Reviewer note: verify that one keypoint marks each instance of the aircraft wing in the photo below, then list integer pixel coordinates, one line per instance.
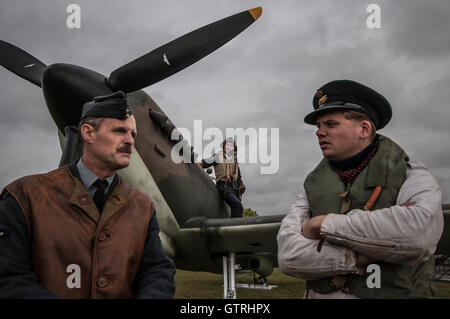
(247, 237)
(241, 235)
(209, 239)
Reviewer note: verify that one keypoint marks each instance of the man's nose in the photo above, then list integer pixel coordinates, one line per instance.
(320, 132)
(129, 139)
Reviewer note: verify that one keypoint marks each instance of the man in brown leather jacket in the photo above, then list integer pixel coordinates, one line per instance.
(80, 231)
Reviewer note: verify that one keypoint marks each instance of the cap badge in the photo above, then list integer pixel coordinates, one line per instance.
(323, 99)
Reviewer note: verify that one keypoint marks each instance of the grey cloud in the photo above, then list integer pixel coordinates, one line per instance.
(417, 28)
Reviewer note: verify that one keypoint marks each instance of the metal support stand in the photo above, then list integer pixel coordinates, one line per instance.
(256, 286)
(229, 278)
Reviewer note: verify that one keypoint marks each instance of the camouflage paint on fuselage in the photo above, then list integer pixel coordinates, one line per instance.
(187, 189)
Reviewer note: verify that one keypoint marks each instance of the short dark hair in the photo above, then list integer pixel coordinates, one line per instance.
(95, 122)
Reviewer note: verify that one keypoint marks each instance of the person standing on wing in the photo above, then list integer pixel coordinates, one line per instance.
(228, 175)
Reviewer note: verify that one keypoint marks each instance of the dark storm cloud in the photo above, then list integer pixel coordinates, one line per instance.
(264, 78)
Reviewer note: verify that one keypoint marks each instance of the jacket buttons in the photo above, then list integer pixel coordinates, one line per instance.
(104, 236)
(102, 282)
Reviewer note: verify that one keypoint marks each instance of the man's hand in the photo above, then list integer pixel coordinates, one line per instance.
(241, 189)
(200, 164)
(311, 229)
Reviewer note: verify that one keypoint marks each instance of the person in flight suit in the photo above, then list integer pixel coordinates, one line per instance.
(365, 204)
(228, 175)
(80, 231)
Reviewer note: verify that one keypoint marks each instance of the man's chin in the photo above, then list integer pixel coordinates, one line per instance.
(329, 155)
(326, 153)
(122, 164)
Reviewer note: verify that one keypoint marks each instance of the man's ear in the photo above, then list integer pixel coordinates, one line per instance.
(366, 129)
(87, 133)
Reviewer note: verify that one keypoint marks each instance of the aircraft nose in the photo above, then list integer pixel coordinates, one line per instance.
(67, 87)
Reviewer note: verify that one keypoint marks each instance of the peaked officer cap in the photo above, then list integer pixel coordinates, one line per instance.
(351, 95)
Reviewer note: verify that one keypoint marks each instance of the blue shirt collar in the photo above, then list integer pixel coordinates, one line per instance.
(88, 178)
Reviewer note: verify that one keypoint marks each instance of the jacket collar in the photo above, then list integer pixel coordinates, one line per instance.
(81, 198)
(389, 158)
(88, 178)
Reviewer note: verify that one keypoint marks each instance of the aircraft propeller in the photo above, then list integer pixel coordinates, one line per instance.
(67, 87)
(150, 68)
(21, 63)
(180, 53)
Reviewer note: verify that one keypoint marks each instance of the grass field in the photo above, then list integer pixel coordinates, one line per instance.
(202, 285)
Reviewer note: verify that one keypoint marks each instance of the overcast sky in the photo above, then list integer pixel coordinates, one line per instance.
(264, 78)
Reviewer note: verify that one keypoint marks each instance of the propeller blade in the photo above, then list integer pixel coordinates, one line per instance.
(180, 53)
(21, 63)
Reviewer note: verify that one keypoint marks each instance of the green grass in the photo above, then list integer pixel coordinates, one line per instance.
(202, 285)
(443, 290)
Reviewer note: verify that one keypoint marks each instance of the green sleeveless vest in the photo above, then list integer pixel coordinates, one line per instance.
(327, 194)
